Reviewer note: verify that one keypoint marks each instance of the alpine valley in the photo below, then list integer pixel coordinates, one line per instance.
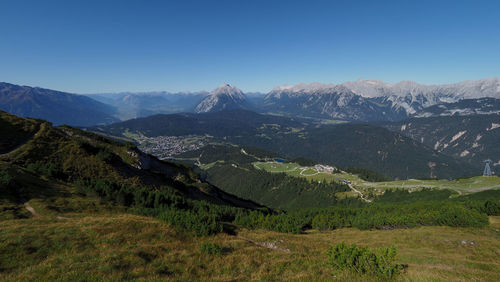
(306, 182)
(234, 140)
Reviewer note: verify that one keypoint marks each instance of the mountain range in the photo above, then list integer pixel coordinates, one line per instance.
(361, 100)
(368, 100)
(336, 102)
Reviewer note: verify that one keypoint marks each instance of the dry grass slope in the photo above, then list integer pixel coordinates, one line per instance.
(118, 246)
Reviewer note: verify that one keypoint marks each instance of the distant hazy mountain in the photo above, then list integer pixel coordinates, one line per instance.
(132, 105)
(413, 96)
(489, 87)
(361, 100)
(466, 107)
(54, 106)
(328, 101)
(369, 100)
(225, 97)
(469, 138)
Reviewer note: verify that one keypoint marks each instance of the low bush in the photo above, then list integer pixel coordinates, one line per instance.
(197, 223)
(198, 217)
(5, 178)
(424, 195)
(329, 221)
(210, 248)
(367, 174)
(105, 154)
(487, 202)
(398, 209)
(375, 216)
(489, 207)
(44, 168)
(363, 261)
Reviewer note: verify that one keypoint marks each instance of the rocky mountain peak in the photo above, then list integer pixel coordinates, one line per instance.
(227, 89)
(224, 97)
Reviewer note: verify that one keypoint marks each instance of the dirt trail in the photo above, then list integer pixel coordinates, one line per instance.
(267, 245)
(31, 209)
(42, 127)
(306, 168)
(356, 190)
(33, 212)
(360, 194)
(253, 156)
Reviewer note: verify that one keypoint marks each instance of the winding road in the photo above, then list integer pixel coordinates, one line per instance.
(360, 194)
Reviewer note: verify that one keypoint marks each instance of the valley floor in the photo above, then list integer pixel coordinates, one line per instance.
(118, 246)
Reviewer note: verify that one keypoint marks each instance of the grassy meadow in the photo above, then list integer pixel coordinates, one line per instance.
(112, 245)
(461, 186)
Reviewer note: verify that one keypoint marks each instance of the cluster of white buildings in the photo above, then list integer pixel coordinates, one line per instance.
(325, 168)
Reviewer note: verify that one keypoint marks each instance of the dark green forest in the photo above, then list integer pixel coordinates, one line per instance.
(235, 174)
(276, 190)
(108, 170)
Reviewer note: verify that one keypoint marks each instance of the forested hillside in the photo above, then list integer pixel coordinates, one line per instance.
(366, 146)
(471, 139)
(41, 161)
(346, 145)
(231, 169)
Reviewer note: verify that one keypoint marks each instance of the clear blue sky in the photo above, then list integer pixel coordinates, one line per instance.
(109, 46)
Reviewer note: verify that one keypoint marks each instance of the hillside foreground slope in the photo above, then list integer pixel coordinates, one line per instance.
(119, 246)
(140, 221)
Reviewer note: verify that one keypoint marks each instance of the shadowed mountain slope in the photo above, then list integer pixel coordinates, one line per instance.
(54, 106)
(71, 155)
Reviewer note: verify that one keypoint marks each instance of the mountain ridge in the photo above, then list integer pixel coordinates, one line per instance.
(54, 106)
(470, 138)
(409, 96)
(361, 100)
(464, 107)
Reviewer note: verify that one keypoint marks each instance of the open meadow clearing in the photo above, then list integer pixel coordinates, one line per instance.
(461, 186)
(115, 246)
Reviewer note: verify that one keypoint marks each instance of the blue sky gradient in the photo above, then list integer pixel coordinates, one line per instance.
(110, 46)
